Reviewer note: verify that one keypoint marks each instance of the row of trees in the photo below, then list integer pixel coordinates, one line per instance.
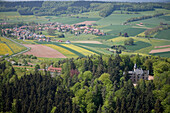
(150, 32)
(91, 84)
(143, 17)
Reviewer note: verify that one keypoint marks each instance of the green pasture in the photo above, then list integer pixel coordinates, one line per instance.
(138, 45)
(93, 45)
(71, 20)
(81, 37)
(142, 45)
(115, 29)
(116, 19)
(153, 22)
(133, 31)
(156, 11)
(165, 34)
(13, 17)
(94, 14)
(107, 37)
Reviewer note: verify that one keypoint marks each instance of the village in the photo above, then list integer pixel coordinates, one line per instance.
(34, 32)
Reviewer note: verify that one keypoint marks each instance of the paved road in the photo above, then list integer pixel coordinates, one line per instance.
(19, 44)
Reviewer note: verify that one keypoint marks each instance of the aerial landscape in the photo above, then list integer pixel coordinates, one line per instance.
(104, 56)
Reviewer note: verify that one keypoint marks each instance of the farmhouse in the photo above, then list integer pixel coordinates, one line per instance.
(53, 69)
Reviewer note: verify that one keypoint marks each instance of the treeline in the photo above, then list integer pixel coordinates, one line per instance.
(49, 8)
(150, 32)
(89, 85)
(143, 17)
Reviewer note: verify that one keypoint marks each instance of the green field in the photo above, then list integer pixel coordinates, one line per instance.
(116, 19)
(133, 31)
(13, 17)
(165, 34)
(115, 29)
(152, 22)
(138, 45)
(107, 37)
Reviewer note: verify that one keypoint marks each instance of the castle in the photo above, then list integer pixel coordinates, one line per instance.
(138, 74)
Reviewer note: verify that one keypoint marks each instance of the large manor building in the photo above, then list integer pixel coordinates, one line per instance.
(138, 73)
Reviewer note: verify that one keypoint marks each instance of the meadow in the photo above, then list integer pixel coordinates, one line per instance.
(165, 34)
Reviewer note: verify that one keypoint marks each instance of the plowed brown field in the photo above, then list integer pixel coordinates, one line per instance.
(162, 46)
(43, 51)
(160, 50)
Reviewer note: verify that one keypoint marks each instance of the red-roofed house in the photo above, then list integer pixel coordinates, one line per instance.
(54, 69)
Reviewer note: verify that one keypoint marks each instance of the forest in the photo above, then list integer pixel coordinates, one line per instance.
(55, 8)
(92, 84)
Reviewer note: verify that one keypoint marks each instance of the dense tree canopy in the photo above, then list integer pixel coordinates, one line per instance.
(98, 85)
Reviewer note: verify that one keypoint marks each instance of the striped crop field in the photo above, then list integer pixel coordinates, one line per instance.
(4, 49)
(64, 51)
(95, 49)
(15, 47)
(79, 49)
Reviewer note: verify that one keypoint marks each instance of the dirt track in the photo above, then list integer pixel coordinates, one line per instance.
(43, 51)
(160, 50)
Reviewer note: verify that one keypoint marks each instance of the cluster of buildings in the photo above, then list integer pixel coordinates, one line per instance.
(79, 29)
(28, 32)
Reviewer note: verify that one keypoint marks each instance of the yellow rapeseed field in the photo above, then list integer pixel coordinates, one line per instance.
(15, 47)
(65, 52)
(78, 49)
(4, 49)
